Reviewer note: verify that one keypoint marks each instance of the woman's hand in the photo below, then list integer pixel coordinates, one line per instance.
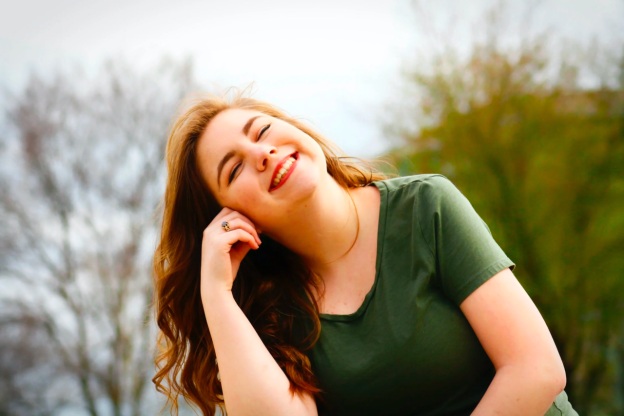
(223, 251)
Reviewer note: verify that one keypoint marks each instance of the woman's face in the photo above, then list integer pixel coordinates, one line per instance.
(260, 166)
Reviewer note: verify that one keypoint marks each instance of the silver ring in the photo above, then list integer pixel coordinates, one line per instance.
(226, 226)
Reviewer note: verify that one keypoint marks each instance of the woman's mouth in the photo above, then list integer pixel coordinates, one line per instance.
(283, 171)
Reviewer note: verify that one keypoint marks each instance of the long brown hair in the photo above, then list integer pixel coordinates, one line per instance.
(278, 301)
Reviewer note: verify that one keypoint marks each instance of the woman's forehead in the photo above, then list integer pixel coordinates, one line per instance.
(231, 119)
(225, 127)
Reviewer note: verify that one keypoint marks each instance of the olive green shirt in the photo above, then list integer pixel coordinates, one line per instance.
(408, 349)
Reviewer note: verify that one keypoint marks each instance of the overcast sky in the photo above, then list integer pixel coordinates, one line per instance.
(333, 62)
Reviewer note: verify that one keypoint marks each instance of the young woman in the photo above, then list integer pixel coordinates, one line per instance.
(293, 281)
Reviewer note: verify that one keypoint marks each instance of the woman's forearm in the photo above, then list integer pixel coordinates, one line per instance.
(522, 390)
(252, 381)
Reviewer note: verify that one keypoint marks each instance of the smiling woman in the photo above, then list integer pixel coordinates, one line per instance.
(291, 280)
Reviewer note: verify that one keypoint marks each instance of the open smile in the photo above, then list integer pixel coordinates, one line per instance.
(283, 170)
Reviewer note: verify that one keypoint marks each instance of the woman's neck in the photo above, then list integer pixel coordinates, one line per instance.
(324, 229)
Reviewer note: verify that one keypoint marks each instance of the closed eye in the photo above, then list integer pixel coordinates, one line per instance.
(234, 172)
(263, 130)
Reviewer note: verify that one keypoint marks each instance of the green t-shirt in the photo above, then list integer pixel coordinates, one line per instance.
(408, 349)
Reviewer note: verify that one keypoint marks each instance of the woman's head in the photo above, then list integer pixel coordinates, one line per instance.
(260, 166)
(189, 172)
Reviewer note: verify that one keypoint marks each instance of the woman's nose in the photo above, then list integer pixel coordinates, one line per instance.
(263, 153)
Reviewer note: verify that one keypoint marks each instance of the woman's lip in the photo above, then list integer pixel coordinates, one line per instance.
(287, 174)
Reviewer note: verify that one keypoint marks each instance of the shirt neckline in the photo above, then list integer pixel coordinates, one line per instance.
(381, 229)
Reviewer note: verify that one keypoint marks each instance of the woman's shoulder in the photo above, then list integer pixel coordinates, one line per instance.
(426, 195)
(433, 181)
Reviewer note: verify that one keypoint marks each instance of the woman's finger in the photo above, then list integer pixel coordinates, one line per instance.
(238, 223)
(235, 219)
(240, 235)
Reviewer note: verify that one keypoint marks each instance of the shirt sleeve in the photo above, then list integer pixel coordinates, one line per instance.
(464, 250)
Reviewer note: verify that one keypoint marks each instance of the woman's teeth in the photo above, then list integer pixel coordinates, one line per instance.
(285, 168)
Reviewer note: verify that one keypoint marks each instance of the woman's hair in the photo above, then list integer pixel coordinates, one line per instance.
(278, 301)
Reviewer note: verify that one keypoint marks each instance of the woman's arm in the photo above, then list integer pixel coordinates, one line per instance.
(252, 381)
(529, 370)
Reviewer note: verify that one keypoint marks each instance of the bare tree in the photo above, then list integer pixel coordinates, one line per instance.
(26, 366)
(82, 173)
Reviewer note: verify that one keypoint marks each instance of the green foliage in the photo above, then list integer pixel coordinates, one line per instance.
(541, 157)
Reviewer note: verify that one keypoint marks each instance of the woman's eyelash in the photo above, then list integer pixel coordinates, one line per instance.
(263, 130)
(233, 173)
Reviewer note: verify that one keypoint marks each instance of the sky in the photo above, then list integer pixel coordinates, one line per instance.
(336, 63)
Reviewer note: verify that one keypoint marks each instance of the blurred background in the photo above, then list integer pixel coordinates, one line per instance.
(520, 103)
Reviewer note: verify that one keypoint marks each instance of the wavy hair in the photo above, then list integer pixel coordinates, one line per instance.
(278, 301)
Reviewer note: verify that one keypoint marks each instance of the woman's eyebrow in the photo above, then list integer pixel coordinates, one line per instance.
(222, 162)
(247, 125)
